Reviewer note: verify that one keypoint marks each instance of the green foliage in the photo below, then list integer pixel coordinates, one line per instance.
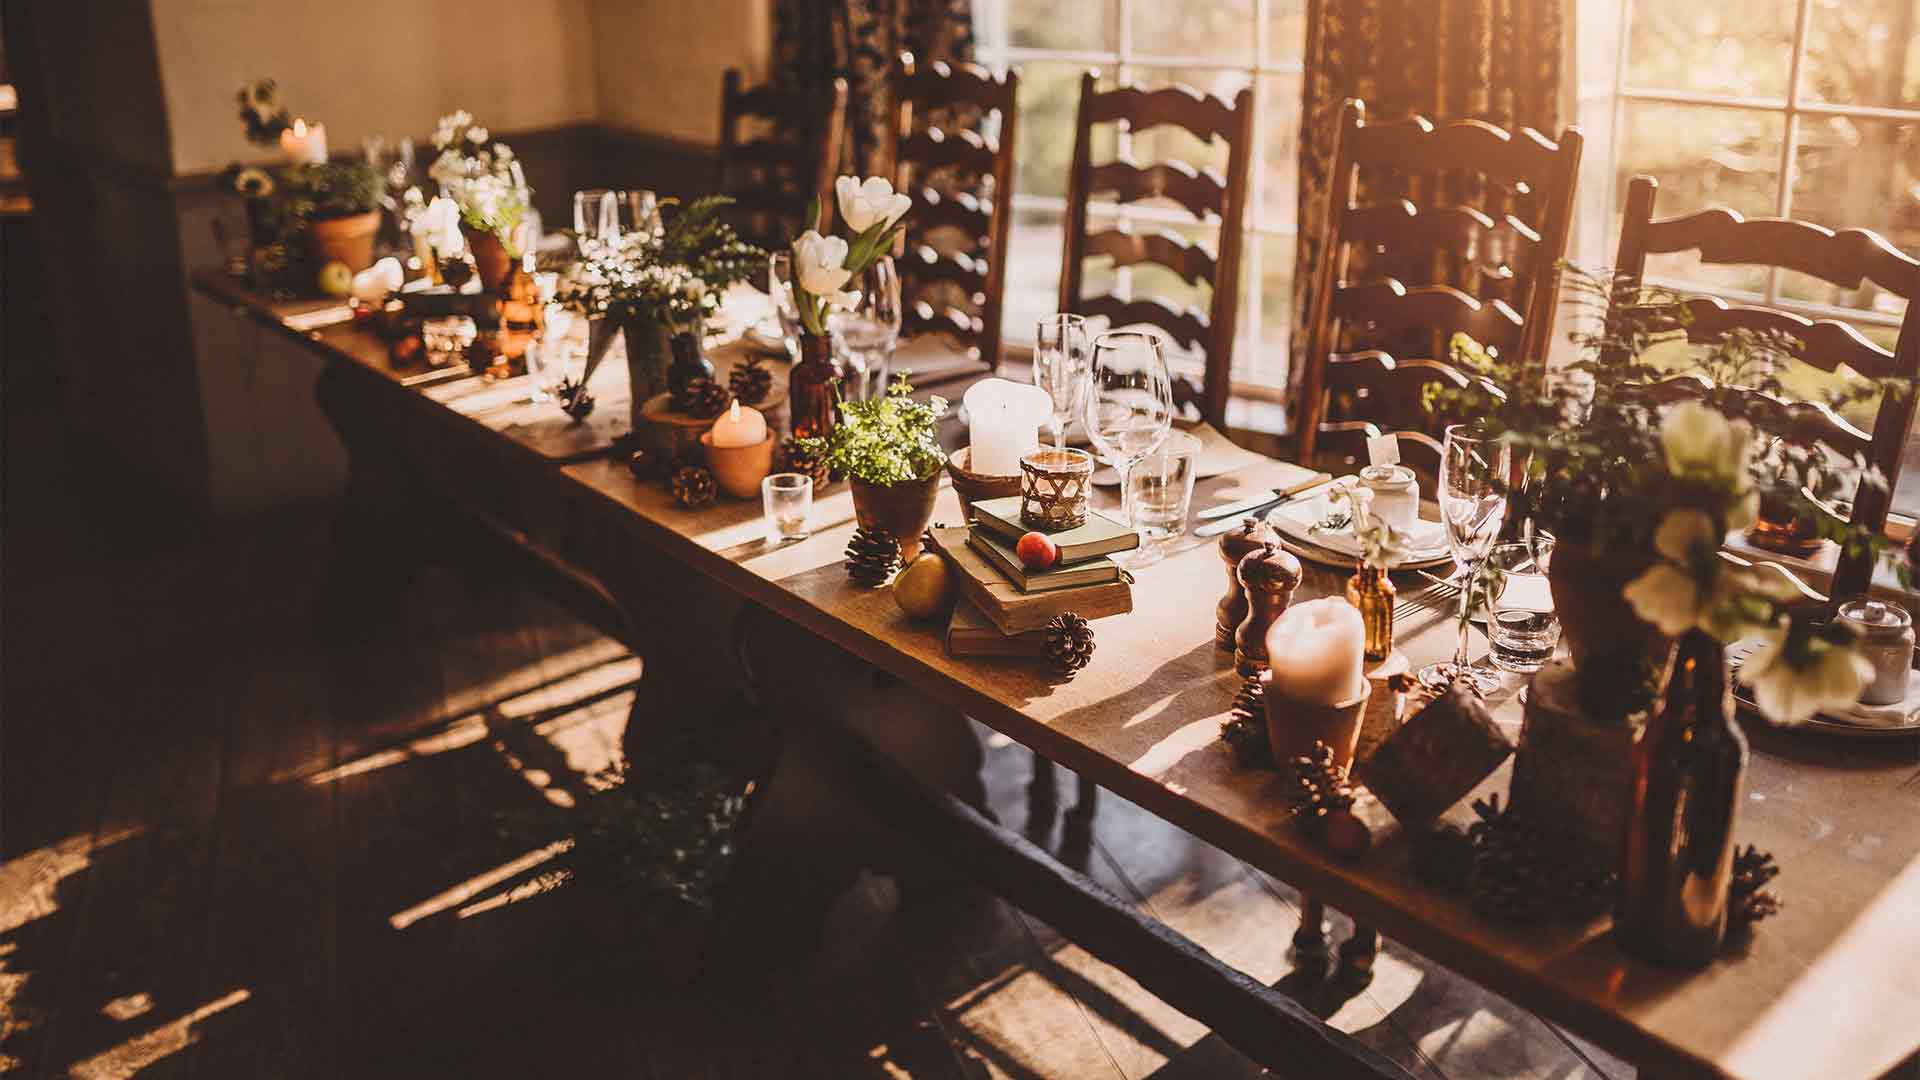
(330, 189)
(671, 280)
(885, 440)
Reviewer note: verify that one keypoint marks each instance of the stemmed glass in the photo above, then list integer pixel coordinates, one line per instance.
(602, 215)
(1473, 506)
(1060, 368)
(780, 290)
(865, 336)
(1129, 408)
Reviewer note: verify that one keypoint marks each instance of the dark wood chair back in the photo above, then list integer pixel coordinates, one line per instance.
(1849, 259)
(950, 146)
(1494, 278)
(774, 168)
(1205, 194)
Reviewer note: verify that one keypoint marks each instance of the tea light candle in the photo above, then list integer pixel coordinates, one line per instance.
(304, 145)
(740, 427)
(1316, 651)
(1003, 419)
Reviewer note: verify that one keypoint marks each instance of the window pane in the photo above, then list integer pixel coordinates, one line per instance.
(1049, 99)
(1073, 25)
(1218, 30)
(1033, 272)
(1286, 31)
(1279, 123)
(1856, 174)
(1862, 52)
(1263, 361)
(1737, 47)
(1703, 157)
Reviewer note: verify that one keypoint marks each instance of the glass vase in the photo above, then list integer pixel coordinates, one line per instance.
(1372, 591)
(813, 389)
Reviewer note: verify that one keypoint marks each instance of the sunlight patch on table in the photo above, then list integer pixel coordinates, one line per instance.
(476, 885)
(130, 1057)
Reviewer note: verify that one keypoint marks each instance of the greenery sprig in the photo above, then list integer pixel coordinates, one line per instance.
(672, 279)
(886, 440)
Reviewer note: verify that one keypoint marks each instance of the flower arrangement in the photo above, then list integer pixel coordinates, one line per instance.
(822, 265)
(672, 279)
(483, 178)
(1638, 458)
(885, 440)
(1381, 544)
(262, 113)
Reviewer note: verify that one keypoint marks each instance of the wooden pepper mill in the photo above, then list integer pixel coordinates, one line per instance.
(1268, 575)
(1231, 611)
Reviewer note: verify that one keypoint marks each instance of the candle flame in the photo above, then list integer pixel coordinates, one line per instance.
(733, 414)
(300, 128)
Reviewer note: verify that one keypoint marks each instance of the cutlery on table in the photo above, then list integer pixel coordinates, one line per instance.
(1224, 517)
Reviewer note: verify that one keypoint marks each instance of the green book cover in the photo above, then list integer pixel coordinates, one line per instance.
(1101, 535)
(1001, 556)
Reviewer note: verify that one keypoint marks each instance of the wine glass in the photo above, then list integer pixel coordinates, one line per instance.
(865, 336)
(785, 307)
(1473, 471)
(1129, 408)
(1060, 368)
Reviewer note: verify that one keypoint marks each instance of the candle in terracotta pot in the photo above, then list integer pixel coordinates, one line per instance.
(1003, 422)
(1316, 650)
(740, 427)
(304, 145)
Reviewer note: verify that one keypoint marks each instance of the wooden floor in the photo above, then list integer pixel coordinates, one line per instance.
(232, 852)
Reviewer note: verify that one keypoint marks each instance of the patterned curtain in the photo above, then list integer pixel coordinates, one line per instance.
(1493, 60)
(816, 40)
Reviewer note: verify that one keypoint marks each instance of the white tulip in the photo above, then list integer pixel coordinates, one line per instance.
(1829, 677)
(819, 263)
(869, 202)
(1685, 536)
(1666, 596)
(1700, 441)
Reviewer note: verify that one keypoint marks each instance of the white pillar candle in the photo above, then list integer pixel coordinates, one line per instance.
(1317, 650)
(740, 427)
(304, 145)
(1003, 423)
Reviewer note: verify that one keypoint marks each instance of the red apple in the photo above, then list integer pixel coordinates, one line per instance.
(1037, 551)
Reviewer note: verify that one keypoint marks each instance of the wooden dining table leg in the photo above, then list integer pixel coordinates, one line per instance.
(1310, 940)
(1357, 955)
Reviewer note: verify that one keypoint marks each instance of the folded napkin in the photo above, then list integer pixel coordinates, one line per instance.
(1298, 521)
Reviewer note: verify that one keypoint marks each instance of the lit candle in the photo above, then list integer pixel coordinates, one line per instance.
(740, 427)
(1003, 423)
(304, 145)
(1316, 650)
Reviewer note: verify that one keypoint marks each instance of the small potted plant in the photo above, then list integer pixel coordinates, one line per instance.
(341, 203)
(889, 450)
(484, 180)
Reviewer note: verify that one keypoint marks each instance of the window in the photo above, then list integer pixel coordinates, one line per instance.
(1217, 46)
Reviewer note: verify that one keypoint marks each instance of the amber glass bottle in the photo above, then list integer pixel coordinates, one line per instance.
(1372, 591)
(813, 389)
(1689, 764)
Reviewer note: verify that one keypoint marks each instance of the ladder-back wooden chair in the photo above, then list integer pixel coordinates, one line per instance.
(950, 145)
(778, 151)
(1205, 194)
(1849, 259)
(1399, 275)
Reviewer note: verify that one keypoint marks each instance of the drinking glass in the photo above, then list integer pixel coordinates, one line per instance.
(780, 289)
(786, 498)
(537, 355)
(603, 215)
(447, 338)
(1060, 364)
(865, 336)
(1521, 626)
(1160, 488)
(1129, 409)
(1473, 506)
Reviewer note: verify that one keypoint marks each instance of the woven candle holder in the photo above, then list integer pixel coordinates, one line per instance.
(1053, 488)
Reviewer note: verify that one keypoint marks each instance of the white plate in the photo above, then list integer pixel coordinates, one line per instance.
(1314, 553)
(1294, 522)
(1824, 723)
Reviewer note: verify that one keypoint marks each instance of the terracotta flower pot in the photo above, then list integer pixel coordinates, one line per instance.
(738, 470)
(490, 257)
(346, 239)
(1614, 650)
(902, 509)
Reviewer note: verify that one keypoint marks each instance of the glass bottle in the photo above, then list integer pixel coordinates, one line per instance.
(1372, 591)
(813, 388)
(1689, 763)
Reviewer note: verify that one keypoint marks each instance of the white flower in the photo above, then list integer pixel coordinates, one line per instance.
(450, 126)
(1686, 536)
(1702, 444)
(253, 183)
(819, 262)
(1828, 677)
(476, 135)
(869, 202)
(1676, 595)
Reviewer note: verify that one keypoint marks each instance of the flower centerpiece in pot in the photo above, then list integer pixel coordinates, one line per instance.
(485, 181)
(873, 215)
(303, 216)
(889, 449)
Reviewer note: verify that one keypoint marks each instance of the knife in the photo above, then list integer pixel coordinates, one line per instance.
(1222, 518)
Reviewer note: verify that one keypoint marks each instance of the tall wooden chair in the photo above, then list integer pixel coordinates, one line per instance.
(774, 171)
(1848, 258)
(950, 146)
(1206, 195)
(1374, 342)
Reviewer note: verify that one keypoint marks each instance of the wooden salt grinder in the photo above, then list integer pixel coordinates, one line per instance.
(1268, 574)
(1231, 611)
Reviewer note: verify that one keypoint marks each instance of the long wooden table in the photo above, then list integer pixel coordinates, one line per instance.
(1828, 988)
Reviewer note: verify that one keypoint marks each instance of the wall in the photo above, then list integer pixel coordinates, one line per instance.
(659, 64)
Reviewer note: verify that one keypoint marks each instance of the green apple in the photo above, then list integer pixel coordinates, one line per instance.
(336, 279)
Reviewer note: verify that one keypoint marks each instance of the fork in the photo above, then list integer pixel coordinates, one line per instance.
(1440, 591)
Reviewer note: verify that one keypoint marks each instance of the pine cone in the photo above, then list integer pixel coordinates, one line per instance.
(1245, 728)
(1748, 900)
(692, 486)
(1520, 874)
(704, 399)
(574, 398)
(797, 457)
(1321, 787)
(1443, 857)
(1069, 643)
(872, 557)
(750, 381)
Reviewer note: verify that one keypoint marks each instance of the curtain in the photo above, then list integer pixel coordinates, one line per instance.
(1494, 60)
(816, 40)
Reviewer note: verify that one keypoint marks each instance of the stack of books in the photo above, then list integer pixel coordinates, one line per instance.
(1003, 604)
